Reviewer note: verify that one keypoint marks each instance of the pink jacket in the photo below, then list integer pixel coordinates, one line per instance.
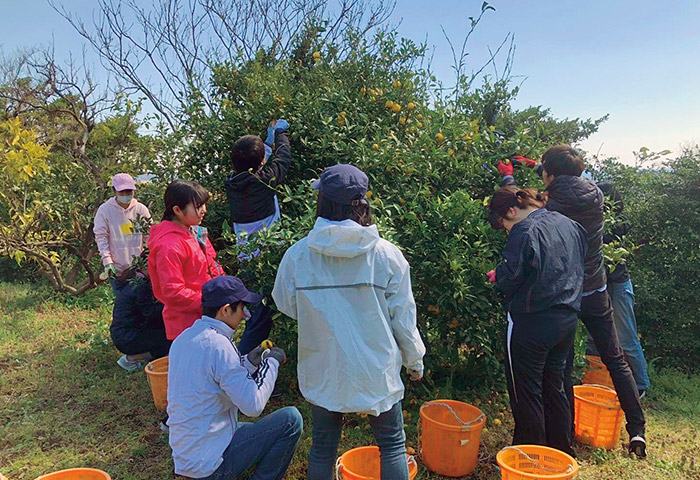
(116, 240)
(178, 267)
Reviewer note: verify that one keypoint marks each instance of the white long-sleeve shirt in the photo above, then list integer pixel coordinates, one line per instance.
(116, 239)
(351, 293)
(208, 383)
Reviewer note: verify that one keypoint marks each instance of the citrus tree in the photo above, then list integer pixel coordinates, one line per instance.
(62, 140)
(430, 156)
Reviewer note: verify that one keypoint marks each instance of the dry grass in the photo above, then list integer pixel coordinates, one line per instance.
(65, 403)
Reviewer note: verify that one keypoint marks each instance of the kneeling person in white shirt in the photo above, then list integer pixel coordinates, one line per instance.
(209, 381)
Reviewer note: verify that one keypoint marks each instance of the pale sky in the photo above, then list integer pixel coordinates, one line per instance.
(638, 60)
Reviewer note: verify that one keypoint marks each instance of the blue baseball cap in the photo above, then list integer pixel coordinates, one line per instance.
(342, 184)
(226, 289)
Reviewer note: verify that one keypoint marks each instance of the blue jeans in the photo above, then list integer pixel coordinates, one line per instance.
(270, 443)
(388, 432)
(622, 297)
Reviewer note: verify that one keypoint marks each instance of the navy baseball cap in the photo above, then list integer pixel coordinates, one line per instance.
(342, 184)
(226, 289)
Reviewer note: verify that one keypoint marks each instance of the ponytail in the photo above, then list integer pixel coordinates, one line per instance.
(509, 197)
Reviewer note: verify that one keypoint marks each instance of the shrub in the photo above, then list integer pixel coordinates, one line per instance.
(662, 205)
(431, 163)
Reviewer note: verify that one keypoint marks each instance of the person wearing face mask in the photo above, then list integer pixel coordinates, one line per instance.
(542, 278)
(137, 326)
(116, 238)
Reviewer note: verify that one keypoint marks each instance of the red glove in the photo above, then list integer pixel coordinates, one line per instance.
(528, 162)
(505, 167)
(491, 276)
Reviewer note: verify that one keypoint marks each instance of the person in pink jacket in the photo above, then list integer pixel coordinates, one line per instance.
(114, 231)
(181, 257)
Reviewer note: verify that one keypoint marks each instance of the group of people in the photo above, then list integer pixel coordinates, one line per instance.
(553, 272)
(350, 292)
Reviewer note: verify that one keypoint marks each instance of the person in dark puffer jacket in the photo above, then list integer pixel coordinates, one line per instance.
(621, 293)
(542, 278)
(253, 202)
(582, 201)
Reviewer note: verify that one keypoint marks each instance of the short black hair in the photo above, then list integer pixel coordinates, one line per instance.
(563, 160)
(181, 193)
(337, 212)
(212, 312)
(247, 153)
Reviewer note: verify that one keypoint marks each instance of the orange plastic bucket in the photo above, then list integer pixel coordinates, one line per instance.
(363, 463)
(598, 416)
(596, 373)
(157, 374)
(76, 474)
(450, 437)
(534, 462)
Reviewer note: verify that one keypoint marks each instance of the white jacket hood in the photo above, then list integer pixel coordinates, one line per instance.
(350, 292)
(346, 239)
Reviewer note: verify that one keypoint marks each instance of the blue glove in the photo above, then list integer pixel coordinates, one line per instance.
(279, 126)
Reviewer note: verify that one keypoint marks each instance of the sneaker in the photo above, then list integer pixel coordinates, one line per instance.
(129, 365)
(638, 446)
(164, 424)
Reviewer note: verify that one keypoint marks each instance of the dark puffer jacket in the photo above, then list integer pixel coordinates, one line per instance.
(582, 201)
(251, 197)
(543, 264)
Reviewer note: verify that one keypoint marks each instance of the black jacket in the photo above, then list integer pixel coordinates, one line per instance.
(582, 201)
(620, 274)
(543, 264)
(135, 310)
(251, 196)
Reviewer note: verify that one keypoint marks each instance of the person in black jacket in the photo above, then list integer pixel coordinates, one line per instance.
(581, 201)
(621, 293)
(137, 328)
(253, 202)
(251, 188)
(542, 278)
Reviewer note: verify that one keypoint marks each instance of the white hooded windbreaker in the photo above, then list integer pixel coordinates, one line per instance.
(350, 291)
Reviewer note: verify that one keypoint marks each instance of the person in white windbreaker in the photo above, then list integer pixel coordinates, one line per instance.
(350, 291)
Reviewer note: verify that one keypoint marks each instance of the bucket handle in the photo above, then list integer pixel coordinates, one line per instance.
(339, 467)
(538, 464)
(466, 426)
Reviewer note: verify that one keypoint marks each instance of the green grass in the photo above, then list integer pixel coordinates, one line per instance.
(65, 403)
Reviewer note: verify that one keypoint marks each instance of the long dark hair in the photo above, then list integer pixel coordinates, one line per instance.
(508, 197)
(181, 193)
(360, 211)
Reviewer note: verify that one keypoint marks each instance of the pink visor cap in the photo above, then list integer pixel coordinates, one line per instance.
(123, 181)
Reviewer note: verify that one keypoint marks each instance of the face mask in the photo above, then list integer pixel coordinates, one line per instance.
(124, 198)
(246, 313)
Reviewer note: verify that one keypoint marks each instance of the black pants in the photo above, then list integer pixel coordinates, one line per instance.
(151, 340)
(536, 349)
(597, 315)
